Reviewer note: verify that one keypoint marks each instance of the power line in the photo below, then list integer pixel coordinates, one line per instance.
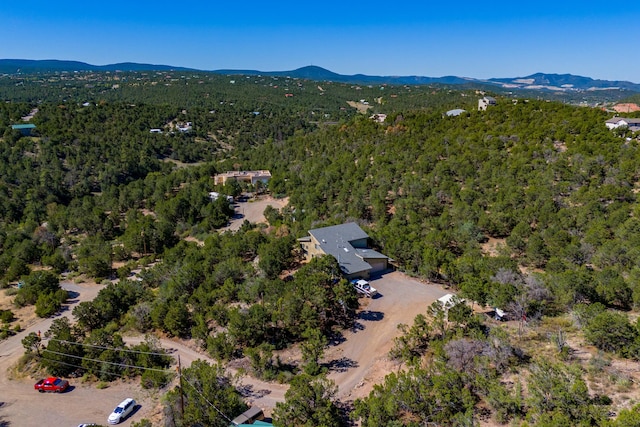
(115, 374)
(122, 375)
(207, 400)
(110, 348)
(104, 361)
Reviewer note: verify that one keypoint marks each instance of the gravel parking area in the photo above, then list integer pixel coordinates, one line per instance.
(252, 210)
(357, 362)
(361, 360)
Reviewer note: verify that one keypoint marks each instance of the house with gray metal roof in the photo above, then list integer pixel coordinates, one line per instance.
(349, 245)
(616, 122)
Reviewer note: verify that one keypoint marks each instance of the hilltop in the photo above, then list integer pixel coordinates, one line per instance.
(567, 84)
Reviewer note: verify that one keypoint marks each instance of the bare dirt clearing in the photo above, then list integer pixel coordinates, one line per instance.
(361, 107)
(362, 360)
(356, 363)
(253, 210)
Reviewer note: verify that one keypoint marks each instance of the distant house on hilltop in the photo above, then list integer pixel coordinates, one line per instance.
(486, 101)
(379, 118)
(185, 127)
(617, 122)
(251, 177)
(349, 245)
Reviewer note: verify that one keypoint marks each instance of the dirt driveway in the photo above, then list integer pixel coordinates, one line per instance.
(361, 360)
(252, 210)
(357, 363)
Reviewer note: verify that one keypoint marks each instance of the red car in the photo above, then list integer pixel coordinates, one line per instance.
(54, 384)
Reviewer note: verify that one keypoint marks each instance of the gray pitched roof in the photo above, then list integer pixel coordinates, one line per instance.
(336, 241)
(370, 254)
(343, 233)
(630, 121)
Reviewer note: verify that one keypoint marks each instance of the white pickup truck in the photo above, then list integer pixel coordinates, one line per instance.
(364, 288)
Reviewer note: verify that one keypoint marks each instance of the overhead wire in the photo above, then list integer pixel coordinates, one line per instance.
(110, 348)
(104, 361)
(45, 350)
(116, 374)
(207, 400)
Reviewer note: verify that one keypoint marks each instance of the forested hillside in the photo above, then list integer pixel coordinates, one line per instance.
(549, 178)
(529, 206)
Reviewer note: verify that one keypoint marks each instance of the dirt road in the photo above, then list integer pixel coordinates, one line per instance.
(21, 405)
(256, 392)
(252, 211)
(356, 363)
(361, 360)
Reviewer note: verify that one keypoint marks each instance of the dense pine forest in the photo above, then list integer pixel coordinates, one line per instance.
(530, 206)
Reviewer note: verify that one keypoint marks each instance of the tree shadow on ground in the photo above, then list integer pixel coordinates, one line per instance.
(72, 297)
(371, 316)
(3, 422)
(345, 409)
(336, 338)
(341, 365)
(248, 391)
(357, 326)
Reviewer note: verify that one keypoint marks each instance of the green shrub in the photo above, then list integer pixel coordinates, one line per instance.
(154, 379)
(47, 305)
(6, 316)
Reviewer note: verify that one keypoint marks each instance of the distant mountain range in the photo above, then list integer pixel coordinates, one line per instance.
(30, 66)
(538, 81)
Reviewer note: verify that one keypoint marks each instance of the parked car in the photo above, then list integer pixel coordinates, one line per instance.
(499, 314)
(54, 384)
(364, 288)
(122, 411)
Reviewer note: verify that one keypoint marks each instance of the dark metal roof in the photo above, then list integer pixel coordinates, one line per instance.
(337, 241)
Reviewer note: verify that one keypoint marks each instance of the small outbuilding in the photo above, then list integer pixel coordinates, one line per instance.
(252, 416)
(456, 112)
(499, 314)
(25, 129)
(447, 301)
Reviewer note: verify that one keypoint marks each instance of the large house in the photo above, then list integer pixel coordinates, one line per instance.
(251, 177)
(349, 245)
(616, 122)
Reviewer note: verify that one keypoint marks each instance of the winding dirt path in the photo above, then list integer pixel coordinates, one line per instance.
(357, 362)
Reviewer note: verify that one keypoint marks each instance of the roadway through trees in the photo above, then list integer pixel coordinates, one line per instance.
(356, 361)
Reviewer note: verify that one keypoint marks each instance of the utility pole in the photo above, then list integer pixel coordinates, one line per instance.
(181, 390)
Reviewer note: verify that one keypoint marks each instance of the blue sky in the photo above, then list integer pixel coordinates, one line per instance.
(463, 38)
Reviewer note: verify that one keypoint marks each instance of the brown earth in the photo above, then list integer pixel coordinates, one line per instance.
(356, 363)
(252, 211)
(626, 108)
